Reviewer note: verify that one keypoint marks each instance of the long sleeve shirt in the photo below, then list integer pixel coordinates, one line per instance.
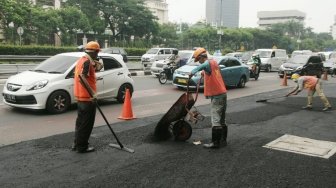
(206, 67)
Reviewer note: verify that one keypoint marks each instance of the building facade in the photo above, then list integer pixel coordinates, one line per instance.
(222, 13)
(159, 9)
(333, 29)
(268, 18)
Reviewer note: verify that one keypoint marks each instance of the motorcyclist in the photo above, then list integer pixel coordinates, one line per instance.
(256, 63)
(174, 59)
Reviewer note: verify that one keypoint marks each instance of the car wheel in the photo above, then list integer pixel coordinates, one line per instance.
(58, 102)
(122, 92)
(268, 68)
(242, 82)
(163, 78)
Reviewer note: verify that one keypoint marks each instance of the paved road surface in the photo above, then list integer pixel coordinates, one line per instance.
(48, 162)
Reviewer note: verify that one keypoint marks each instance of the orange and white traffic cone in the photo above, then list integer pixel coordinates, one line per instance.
(284, 80)
(127, 112)
(325, 75)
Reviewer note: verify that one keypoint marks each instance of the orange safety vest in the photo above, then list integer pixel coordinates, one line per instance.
(80, 91)
(309, 82)
(213, 83)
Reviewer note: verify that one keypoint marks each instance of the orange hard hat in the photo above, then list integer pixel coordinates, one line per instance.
(198, 52)
(92, 46)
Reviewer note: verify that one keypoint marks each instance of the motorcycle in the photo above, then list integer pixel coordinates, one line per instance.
(166, 74)
(254, 70)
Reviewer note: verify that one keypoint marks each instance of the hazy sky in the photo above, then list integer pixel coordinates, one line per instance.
(320, 14)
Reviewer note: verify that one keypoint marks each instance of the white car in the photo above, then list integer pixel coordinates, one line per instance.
(50, 85)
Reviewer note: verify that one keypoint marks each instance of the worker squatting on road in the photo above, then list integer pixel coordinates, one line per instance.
(86, 108)
(214, 88)
(312, 84)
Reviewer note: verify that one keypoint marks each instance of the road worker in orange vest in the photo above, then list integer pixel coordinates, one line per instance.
(312, 84)
(85, 74)
(214, 89)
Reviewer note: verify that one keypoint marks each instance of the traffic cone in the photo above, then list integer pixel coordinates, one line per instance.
(325, 75)
(284, 80)
(127, 113)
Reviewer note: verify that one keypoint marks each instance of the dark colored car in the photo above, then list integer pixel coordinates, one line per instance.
(302, 64)
(116, 50)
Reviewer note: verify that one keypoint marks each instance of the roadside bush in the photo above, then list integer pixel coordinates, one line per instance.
(136, 51)
(52, 50)
(34, 50)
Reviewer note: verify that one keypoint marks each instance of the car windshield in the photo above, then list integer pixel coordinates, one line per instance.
(299, 59)
(332, 56)
(192, 63)
(56, 64)
(152, 51)
(185, 55)
(246, 55)
(219, 58)
(264, 54)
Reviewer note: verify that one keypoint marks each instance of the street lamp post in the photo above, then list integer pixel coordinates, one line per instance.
(298, 41)
(220, 25)
(11, 26)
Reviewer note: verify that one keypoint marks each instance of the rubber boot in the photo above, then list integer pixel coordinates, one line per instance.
(224, 135)
(216, 138)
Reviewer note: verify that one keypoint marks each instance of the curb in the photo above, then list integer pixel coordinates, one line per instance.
(140, 73)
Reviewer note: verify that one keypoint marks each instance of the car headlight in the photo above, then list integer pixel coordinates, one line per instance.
(37, 85)
(299, 68)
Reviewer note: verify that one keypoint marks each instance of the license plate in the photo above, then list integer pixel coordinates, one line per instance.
(288, 72)
(9, 97)
(183, 81)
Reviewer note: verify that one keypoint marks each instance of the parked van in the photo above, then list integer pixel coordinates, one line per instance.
(272, 59)
(155, 54)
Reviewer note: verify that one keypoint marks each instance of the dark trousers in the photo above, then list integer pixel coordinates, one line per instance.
(86, 114)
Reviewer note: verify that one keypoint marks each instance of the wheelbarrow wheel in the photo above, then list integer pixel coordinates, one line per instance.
(182, 130)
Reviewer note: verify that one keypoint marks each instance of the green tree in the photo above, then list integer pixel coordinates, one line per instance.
(74, 21)
(13, 11)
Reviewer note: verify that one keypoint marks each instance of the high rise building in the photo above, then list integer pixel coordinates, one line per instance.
(159, 9)
(224, 13)
(333, 29)
(267, 18)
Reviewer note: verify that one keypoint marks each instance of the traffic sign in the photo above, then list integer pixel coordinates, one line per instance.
(20, 30)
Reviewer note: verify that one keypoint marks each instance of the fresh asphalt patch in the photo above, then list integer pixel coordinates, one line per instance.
(48, 162)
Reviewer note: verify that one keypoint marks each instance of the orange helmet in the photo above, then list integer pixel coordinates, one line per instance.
(198, 52)
(92, 46)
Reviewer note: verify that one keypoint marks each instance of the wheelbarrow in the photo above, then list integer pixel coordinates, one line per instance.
(177, 120)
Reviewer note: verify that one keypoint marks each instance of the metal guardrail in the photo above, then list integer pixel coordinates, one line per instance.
(23, 57)
(13, 63)
(137, 58)
(11, 58)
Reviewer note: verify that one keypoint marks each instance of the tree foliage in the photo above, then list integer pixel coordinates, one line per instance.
(130, 23)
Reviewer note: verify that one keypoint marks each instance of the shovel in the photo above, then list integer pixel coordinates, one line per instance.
(119, 145)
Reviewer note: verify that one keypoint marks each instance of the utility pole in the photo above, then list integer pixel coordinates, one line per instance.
(220, 25)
